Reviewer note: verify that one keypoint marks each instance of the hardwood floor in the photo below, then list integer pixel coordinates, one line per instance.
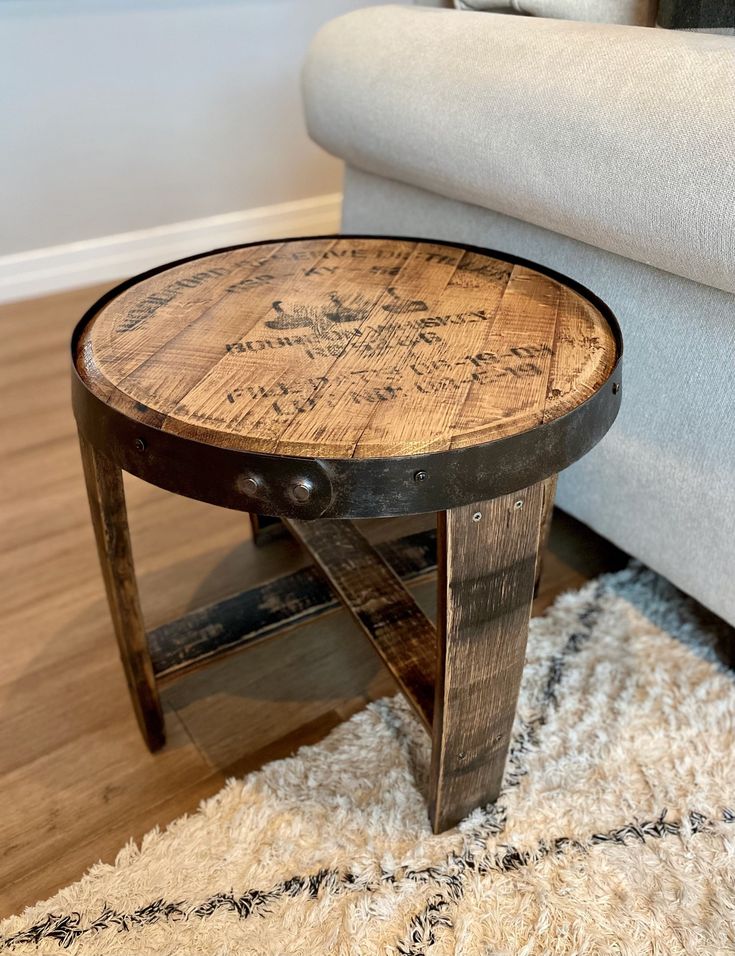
(76, 781)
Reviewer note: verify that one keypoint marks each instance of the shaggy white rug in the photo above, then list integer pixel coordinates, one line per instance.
(614, 834)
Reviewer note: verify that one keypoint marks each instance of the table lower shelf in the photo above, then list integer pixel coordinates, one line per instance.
(366, 579)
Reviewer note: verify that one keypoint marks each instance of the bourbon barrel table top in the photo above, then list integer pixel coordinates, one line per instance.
(346, 348)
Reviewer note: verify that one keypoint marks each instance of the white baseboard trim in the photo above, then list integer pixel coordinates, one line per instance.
(55, 268)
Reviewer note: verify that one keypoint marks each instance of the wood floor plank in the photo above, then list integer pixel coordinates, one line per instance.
(249, 701)
(83, 784)
(45, 880)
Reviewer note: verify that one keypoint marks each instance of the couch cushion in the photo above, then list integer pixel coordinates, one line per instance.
(618, 136)
(636, 12)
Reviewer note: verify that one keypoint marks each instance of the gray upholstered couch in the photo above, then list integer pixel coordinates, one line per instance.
(607, 152)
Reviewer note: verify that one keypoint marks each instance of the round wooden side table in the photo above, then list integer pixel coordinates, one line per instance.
(324, 379)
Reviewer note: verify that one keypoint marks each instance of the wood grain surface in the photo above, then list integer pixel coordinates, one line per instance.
(346, 348)
(487, 567)
(106, 496)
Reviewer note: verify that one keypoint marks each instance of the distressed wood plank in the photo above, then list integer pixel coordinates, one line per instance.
(486, 578)
(370, 373)
(372, 592)
(547, 514)
(576, 359)
(110, 520)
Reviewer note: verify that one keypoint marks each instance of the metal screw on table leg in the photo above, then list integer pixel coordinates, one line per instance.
(140, 444)
(477, 516)
(519, 504)
(420, 476)
(250, 485)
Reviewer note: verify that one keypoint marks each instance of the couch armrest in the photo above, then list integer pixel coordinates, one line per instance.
(621, 137)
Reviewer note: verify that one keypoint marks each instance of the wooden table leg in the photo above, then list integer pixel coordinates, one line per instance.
(109, 516)
(487, 561)
(547, 514)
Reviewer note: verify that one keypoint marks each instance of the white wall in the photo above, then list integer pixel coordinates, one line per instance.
(119, 115)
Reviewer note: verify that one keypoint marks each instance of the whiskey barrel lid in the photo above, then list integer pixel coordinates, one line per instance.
(346, 376)
(346, 348)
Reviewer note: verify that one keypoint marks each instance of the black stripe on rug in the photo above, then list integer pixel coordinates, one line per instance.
(450, 876)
